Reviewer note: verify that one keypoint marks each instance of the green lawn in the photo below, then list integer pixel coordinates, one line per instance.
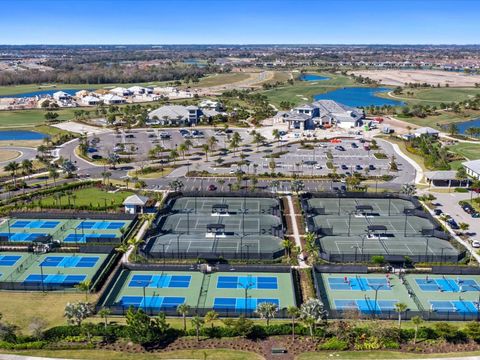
(217, 354)
(220, 79)
(90, 196)
(377, 355)
(29, 118)
(444, 118)
(434, 96)
(470, 151)
(307, 89)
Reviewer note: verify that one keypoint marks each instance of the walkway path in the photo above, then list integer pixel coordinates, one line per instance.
(296, 233)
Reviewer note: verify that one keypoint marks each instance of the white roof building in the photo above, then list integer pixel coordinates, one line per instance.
(472, 168)
(61, 95)
(426, 131)
(90, 100)
(140, 90)
(111, 99)
(135, 204)
(120, 91)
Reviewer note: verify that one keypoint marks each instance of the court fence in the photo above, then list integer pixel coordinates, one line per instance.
(392, 258)
(77, 215)
(148, 253)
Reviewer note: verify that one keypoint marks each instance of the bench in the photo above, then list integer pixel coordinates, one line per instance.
(279, 351)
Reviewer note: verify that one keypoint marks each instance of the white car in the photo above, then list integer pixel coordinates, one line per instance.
(476, 244)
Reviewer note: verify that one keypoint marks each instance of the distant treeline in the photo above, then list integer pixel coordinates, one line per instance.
(70, 73)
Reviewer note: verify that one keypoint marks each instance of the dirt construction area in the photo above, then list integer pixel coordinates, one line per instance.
(433, 77)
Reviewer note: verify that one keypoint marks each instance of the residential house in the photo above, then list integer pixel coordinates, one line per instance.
(472, 168)
(90, 100)
(111, 99)
(427, 131)
(120, 91)
(61, 96)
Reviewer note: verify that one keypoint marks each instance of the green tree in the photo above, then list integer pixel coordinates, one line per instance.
(400, 308)
(267, 311)
(104, 313)
(197, 323)
(312, 313)
(142, 329)
(77, 312)
(211, 317)
(183, 310)
(12, 167)
(85, 287)
(27, 166)
(417, 321)
(294, 313)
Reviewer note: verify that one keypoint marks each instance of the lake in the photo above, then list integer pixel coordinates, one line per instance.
(463, 126)
(41, 93)
(358, 97)
(312, 77)
(7, 135)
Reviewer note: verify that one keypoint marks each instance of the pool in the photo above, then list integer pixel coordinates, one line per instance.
(312, 77)
(21, 135)
(463, 126)
(41, 93)
(359, 97)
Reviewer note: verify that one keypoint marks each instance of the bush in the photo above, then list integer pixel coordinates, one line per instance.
(22, 346)
(461, 190)
(391, 344)
(334, 344)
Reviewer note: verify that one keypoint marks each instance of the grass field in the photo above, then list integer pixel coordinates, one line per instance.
(217, 354)
(6, 155)
(93, 196)
(444, 118)
(307, 89)
(20, 308)
(29, 118)
(220, 79)
(469, 150)
(377, 355)
(434, 96)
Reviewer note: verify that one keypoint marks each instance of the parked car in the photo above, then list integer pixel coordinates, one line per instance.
(476, 244)
(371, 167)
(453, 224)
(212, 187)
(354, 145)
(318, 166)
(468, 208)
(339, 148)
(438, 212)
(358, 167)
(344, 167)
(476, 215)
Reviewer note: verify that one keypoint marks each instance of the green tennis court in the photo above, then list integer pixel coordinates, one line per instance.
(51, 270)
(366, 293)
(73, 230)
(204, 205)
(233, 292)
(344, 206)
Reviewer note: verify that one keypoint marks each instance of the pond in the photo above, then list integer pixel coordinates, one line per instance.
(463, 126)
(358, 97)
(41, 93)
(312, 77)
(7, 135)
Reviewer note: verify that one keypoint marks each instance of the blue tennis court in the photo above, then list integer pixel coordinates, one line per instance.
(70, 261)
(22, 237)
(9, 260)
(448, 285)
(358, 283)
(240, 304)
(366, 305)
(101, 225)
(54, 279)
(155, 302)
(35, 224)
(250, 282)
(82, 238)
(160, 281)
(460, 306)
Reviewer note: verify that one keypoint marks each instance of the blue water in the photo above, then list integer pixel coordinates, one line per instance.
(358, 97)
(463, 126)
(41, 93)
(21, 135)
(311, 77)
(197, 62)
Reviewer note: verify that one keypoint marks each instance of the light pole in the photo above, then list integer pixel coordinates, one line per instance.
(248, 250)
(178, 245)
(376, 288)
(163, 253)
(356, 249)
(41, 275)
(246, 287)
(426, 249)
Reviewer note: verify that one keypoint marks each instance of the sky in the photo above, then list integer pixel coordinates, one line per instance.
(239, 22)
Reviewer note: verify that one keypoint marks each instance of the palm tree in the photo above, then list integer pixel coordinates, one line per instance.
(84, 286)
(183, 149)
(197, 323)
(276, 134)
(173, 155)
(27, 166)
(463, 227)
(400, 308)
(287, 246)
(53, 173)
(212, 142)
(12, 167)
(106, 175)
(206, 148)
(417, 321)
(211, 317)
(184, 309)
(453, 129)
(267, 311)
(294, 313)
(134, 243)
(104, 313)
